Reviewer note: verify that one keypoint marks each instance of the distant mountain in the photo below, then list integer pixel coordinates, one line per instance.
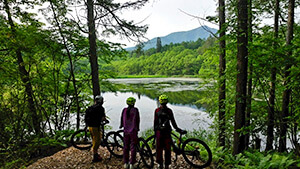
(202, 32)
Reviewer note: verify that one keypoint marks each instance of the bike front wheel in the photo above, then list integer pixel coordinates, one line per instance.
(196, 153)
(145, 153)
(82, 139)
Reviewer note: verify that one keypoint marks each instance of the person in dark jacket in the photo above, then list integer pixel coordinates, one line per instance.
(93, 120)
(162, 128)
(130, 120)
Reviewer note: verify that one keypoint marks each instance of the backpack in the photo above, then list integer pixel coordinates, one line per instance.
(163, 120)
(88, 114)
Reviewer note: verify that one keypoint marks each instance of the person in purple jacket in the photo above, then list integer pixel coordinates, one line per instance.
(130, 120)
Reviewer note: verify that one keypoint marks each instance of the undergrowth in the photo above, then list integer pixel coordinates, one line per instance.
(20, 154)
(250, 159)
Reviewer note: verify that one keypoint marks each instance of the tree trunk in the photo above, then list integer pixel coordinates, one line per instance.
(287, 91)
(158, 45)
(24, 76)
(222, 67)
(71, 67)
(271, 111)
(249, 87)
(241, 86)
(93, 48)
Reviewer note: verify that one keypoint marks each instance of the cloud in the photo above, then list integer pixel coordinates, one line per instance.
(164, 16)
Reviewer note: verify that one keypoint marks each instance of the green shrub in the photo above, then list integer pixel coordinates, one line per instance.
(254, 159)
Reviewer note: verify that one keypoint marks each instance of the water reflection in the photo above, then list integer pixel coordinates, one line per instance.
(185, 116)
(185, 91)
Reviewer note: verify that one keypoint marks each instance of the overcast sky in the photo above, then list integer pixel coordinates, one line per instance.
(164, 16)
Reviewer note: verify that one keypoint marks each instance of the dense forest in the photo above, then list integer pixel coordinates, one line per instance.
(49, 69)
(182, 59)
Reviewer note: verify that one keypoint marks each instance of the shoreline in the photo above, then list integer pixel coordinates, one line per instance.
(145, 80)
(155, 76)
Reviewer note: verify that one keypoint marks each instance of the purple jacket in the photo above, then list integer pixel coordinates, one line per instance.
(131, 121)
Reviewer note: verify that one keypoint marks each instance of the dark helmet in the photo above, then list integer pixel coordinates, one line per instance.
(99, 99)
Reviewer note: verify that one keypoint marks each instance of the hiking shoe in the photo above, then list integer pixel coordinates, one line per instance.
(131, 166)
(97, 158)
(126, 166)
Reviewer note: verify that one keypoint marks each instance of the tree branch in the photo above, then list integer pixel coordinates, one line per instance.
(200, 18)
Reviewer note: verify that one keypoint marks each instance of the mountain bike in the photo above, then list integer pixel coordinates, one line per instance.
(82, 140)
(144, 152)
(195, 151)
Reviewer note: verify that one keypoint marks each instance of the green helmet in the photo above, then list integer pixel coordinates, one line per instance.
(130, 101)
(163, 99)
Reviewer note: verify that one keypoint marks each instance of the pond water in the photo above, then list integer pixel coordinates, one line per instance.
(186, 117)
(183, 94)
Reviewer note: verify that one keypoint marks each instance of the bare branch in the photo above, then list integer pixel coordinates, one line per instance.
(203, 19)
(78, 21)
(197, 17)
(123, 25)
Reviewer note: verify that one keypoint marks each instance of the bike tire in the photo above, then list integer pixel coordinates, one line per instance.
(145, 153)
(119, 138)
(151, 141)
(81, 139)
(115, 144)
(197, 153)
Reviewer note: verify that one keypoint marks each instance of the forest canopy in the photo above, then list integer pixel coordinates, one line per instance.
(180, 59)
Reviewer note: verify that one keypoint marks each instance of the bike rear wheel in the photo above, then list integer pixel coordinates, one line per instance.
(81, 139)
(115, 144)
(196, 153)
(151, 141)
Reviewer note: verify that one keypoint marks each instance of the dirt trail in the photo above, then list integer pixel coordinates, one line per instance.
(72, 158)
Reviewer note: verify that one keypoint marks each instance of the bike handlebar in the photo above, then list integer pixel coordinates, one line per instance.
(104, 122)
(181, 132)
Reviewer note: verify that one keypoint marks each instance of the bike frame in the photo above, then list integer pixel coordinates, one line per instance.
(103, 142)
(177, 148)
